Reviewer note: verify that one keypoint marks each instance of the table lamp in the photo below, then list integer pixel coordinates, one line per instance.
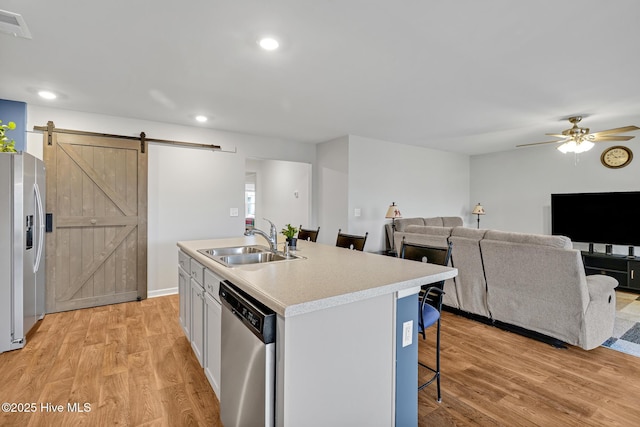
(478, 210)
(393, 212)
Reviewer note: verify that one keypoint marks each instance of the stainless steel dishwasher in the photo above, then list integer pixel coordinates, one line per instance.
(247, 374)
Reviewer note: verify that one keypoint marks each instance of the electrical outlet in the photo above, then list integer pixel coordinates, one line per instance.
(233, 212)
(356, 212)
(407, 333)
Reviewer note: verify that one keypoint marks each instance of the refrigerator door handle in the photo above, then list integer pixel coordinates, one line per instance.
(36, 265)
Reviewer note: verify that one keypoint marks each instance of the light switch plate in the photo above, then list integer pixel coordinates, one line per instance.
(407, 333)
(356, 212)
(233, 212)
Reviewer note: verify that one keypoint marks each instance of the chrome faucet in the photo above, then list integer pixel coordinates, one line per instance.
(272, 237)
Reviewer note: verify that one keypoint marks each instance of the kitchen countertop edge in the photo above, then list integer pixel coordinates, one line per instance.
(290, 310)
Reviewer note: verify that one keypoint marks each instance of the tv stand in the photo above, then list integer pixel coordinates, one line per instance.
(625, 269)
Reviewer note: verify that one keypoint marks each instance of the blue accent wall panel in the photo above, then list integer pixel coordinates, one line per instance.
(14, 111)
(407, 363)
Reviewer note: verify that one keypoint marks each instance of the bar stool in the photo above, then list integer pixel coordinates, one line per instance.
(306, 234)
(430, 299)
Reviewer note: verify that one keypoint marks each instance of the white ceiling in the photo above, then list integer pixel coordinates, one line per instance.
(466, 76)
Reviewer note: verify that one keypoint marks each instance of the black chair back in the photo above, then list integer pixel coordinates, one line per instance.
(425, 253)
(351, 241)
(433, 255)
(306, 234)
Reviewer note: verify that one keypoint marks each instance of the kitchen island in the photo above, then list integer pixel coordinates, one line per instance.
(341, 316)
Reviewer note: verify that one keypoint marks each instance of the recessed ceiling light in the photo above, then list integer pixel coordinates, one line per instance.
(268, 43)
(47, 95)
(201, 119)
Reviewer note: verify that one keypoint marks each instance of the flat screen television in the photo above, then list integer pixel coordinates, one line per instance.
(609, 218)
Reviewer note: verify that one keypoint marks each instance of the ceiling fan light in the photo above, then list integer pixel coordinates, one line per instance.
(584, 146)
(567, 147)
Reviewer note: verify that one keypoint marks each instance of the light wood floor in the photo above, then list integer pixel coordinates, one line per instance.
(493, 377)
(130, 361)
(134, 366)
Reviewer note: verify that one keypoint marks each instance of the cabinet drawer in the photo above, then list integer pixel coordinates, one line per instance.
(607, 263)
(197, 271)
(183, 260)
(212, 284)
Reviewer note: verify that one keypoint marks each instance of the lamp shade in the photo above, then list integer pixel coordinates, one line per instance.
(393, 211)
(478, 210)
(573, 146)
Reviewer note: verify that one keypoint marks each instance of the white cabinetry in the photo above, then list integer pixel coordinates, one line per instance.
(201, 314)
(212, 325)
(197, 309)
(213, 315)
(184, 291)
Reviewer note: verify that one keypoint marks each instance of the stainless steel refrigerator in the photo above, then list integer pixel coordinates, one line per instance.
(22, 238)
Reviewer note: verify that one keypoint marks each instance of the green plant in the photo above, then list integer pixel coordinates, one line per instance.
(289, 231)
(7, 145)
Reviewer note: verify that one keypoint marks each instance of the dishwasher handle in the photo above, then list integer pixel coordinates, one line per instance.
(257, 317)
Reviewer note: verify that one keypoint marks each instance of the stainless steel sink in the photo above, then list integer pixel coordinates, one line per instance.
(256, 258)
(245, 255)
(234, 250)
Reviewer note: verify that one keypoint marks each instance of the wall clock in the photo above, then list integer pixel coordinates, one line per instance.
(616, 157)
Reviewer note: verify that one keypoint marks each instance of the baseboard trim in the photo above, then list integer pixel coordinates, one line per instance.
(554, 342)
(162, 292)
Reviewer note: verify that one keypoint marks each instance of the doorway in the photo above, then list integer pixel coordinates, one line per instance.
(250, 200)
(282, 192)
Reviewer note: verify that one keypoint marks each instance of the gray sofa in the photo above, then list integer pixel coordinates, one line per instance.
(403, 223)
(534, 282)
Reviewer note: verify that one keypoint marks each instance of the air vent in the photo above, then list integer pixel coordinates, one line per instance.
(13, 23)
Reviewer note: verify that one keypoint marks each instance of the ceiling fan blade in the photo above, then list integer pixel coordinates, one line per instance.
(540, 143)
(612, 138)
(616, 130)
(557, 135)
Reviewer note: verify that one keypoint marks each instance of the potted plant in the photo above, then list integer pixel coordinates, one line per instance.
(7, 145)
(290, 232)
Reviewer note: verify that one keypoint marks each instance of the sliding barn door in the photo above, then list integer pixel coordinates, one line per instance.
(97, 193)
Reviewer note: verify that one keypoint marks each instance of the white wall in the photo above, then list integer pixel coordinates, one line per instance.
(331, 180)
(423, 183)
(277, 183)
(515, 186)
(190, 190)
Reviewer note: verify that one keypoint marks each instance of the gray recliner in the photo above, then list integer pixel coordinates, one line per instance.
(538, 282)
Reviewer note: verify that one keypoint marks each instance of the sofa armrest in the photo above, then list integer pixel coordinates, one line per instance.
(599, 286)
(601, 312)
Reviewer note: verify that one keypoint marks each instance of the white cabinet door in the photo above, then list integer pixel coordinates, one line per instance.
(213, 320)
(197, 319)
(184, 291)
(212, 284)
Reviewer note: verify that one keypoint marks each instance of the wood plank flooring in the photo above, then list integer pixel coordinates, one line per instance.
(134, 367)
(493, 377)
(130, 362)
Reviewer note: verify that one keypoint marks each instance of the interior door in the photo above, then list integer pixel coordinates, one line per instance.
(97, 192)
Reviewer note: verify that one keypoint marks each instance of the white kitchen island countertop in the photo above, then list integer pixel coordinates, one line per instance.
(326, 276)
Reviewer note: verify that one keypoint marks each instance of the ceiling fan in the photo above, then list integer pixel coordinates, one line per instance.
(578, 140)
